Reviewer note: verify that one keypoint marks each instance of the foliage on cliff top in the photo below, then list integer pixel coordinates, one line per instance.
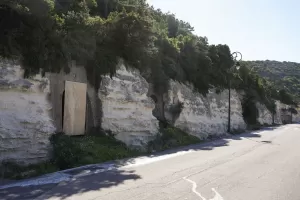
(283, 75)
(47, 34)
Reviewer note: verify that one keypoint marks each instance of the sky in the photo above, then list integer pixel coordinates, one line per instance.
(259, 29)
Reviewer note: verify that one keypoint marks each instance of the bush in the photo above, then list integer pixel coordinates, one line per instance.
(171, 137)
(71, 152)
(250, 112)
(13, 170)
(66, 152)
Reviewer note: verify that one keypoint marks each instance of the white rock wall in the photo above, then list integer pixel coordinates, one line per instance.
(127, 110)
(279, 116)
(205, 116)
(25, 122)
(264, 115)
(296, 118)
(25, 125)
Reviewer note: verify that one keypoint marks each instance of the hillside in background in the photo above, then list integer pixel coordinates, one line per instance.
(283, 75)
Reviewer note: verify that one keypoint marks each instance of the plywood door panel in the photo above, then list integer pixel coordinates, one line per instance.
(74, 108)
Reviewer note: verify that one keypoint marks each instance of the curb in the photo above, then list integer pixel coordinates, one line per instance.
(62, 176)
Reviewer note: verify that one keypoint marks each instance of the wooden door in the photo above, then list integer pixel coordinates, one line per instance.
(74, 108)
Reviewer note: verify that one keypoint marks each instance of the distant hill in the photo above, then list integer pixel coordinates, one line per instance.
(282, 74)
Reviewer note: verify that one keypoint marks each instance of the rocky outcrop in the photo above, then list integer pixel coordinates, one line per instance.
(127, 110)
(264, 115)
(31, 110)
(204, 116)
(296, 118)
(281, 115)
(25, 125)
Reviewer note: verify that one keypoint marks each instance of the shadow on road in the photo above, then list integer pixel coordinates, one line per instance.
(90, 183)
(24, 193)
(208, 145)
(94, 182)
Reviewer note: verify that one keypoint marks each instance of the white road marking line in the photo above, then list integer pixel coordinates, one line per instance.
(194, 188)
(217, 195)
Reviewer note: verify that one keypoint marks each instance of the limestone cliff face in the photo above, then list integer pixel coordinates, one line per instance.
(281, 115)
(31, 110)
(126, 108)
(204, 116)
(296, 118)
(25, 125)
(265, 116)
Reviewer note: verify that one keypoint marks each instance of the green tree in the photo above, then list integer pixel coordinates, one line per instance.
(48, 34)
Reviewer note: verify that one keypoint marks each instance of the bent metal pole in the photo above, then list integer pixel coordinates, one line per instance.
(237, 56)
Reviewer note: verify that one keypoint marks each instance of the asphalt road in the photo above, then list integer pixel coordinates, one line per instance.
(260, 165)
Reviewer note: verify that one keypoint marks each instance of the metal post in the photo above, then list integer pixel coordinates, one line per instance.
(291, 115)
(237, 56)
(229, 105)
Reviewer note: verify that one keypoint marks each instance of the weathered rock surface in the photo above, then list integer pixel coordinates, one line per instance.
(25, 125)
(121, 105)
(204, 116)
(265, 116)
(296, 118)
(127, 110)
(280, 115)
